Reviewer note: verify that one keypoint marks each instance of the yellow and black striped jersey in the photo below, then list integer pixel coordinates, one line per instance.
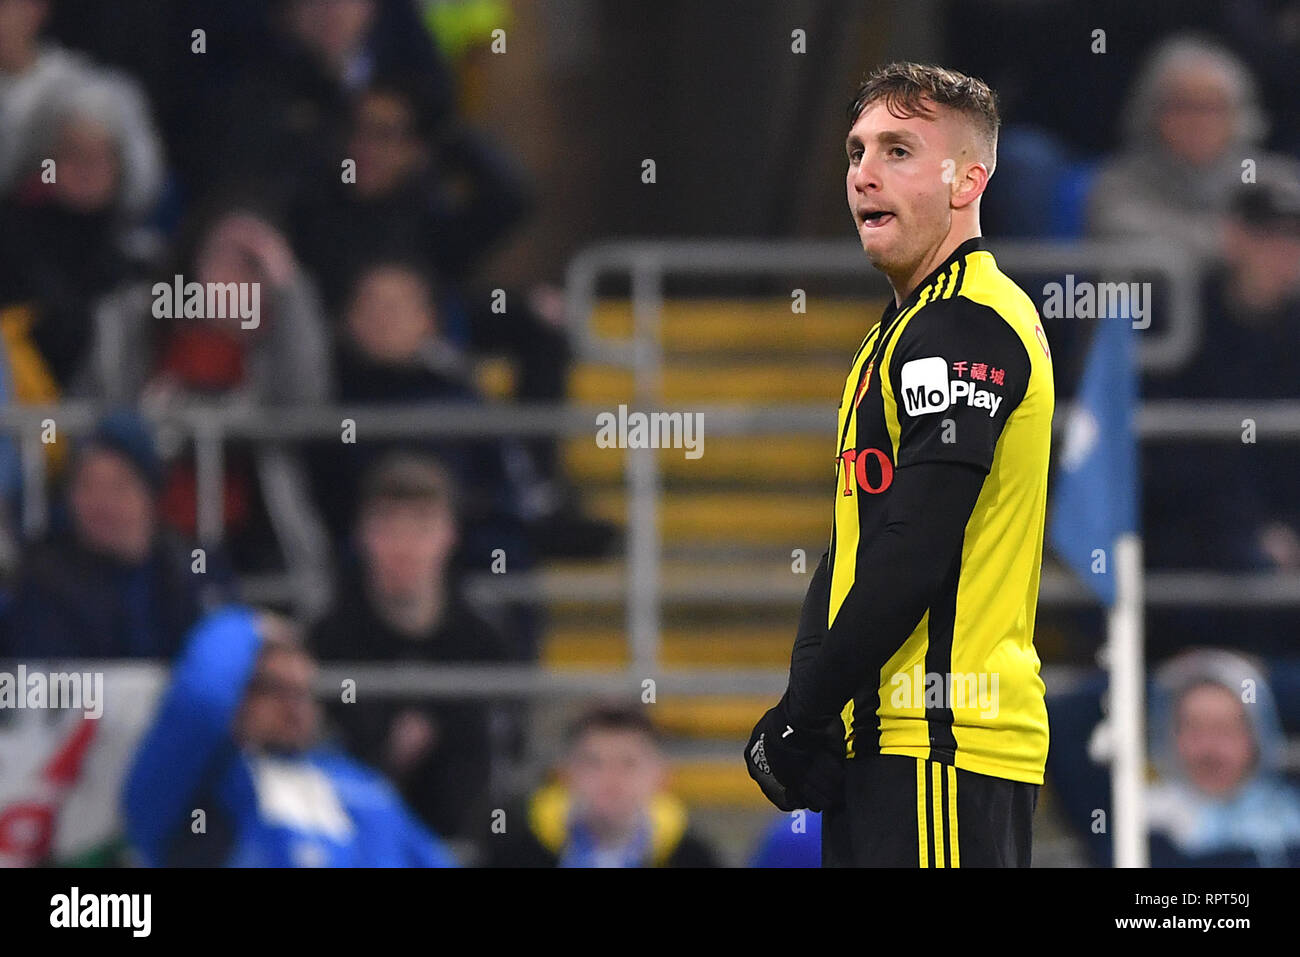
(959, 372)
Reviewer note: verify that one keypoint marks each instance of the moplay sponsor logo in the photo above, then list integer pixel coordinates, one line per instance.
(928, 388)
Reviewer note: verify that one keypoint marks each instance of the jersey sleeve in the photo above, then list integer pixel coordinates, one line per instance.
(957, 373)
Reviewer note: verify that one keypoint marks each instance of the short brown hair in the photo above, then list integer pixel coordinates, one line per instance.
(905, 86)
(408, 477)
(611, 716)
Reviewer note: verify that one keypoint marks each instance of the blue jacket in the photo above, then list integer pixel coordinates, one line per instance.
(316, 809)
(784, 846)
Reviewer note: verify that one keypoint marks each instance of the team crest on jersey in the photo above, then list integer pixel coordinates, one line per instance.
(866, 383)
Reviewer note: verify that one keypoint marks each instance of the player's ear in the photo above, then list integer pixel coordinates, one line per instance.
(969, 183)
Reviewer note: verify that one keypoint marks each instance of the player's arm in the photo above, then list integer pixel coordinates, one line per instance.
(795, 750)
(900, 574)
(945, 450)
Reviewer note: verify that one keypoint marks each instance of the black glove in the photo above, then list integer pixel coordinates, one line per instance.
(795, 767)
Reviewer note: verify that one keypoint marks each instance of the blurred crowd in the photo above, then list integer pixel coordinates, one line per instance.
(314, 149)
(313, 153)
(309, 155)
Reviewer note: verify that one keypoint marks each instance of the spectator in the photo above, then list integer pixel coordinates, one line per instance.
(280, 124)
(69, 242)
(10, 464)
(235, 734)
(156, 43)
(608, 809)
(440, 199)
(1249, 519)
(394, 352)
(1221, 798)
(279, 357)
(1191, 120)
(403, 605)
(1246, 517)
(440, 195)
(40, 82)
(118, 585)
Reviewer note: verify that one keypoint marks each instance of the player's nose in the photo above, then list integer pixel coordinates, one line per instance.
(865, 177)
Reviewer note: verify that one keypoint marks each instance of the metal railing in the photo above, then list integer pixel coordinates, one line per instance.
(213, 426)
(649, 264)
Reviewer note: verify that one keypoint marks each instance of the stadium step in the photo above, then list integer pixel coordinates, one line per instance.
(705, 646)
(728, 520)
(835, 326)
(735, 518)
(717, 782)
(771, 458)
(757, 381)
(709, 718)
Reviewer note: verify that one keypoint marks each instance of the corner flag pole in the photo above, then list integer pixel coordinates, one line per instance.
(1128, 706)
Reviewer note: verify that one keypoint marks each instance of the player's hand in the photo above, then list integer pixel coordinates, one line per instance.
(795, 767)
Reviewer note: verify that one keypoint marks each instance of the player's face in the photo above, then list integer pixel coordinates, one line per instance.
(897, 189)
(1215, 744)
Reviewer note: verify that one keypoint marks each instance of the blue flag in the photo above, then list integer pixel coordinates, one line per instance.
(1095, 499)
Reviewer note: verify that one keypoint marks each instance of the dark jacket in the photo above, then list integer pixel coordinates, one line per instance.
(337, 231)
(62, 262)
(1205, 504)
(71, 602)
(448, 786)
(484, 470)
(279, 120)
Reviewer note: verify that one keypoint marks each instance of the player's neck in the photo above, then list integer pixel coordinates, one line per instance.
(905, 281)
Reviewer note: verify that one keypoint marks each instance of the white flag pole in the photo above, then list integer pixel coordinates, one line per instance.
(1126, 661)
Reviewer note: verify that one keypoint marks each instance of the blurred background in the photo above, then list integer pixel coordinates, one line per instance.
(474, 225)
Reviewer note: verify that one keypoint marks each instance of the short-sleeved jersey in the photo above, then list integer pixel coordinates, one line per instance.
(959, 372)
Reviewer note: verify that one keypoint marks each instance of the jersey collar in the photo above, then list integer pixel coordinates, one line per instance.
(974, 244)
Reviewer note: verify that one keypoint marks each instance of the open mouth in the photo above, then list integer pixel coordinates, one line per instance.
(875, 218)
